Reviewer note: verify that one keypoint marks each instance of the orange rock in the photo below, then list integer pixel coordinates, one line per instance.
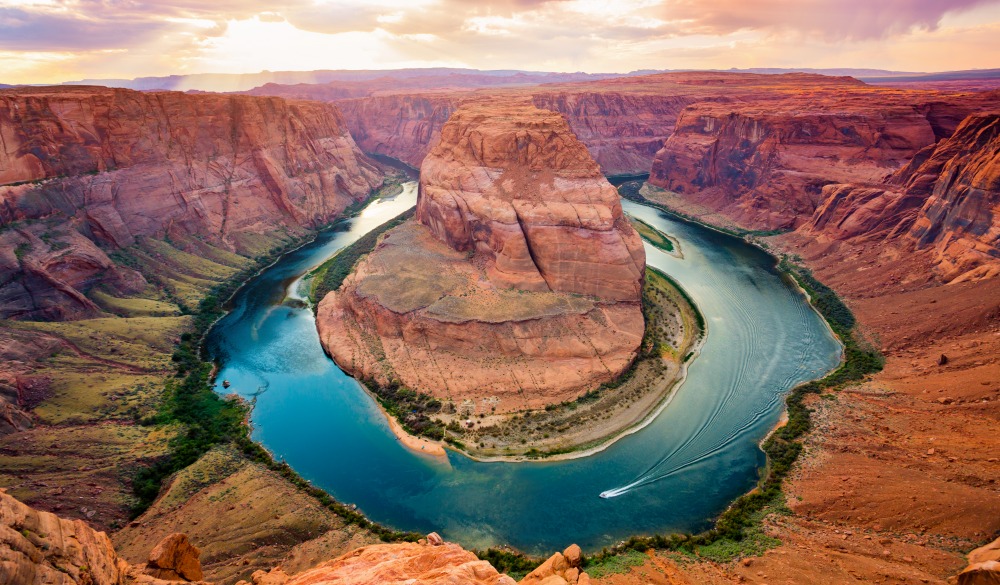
(175, 559)
(389, 564)
(114, 165)
(520, 284)
(944, 200)
(40, 548)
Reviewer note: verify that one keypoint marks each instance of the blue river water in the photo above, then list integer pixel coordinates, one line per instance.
(674, 475)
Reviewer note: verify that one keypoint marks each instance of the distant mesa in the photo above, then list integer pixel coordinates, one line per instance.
(519, 279)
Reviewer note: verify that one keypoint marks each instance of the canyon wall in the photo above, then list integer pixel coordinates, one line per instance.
(86, 171)
(946, 201)
(519, 281)
(622, 131)
(402, 126)
(763, 161)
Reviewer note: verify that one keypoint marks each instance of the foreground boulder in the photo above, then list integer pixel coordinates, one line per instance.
(559, 569)
(984, 566)
(175, 559)
(40, 548)
(520, 283)
(394, 564)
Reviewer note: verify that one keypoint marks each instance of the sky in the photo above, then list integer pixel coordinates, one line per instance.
(48, 41)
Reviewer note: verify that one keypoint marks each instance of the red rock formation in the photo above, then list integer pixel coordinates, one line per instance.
(984, 566)
(623, 131)
(40, 548)
(175, 559)
(395, 564)
(399, 125)
(521, 281)
(947, 199)
(559, 569)
(114, 165)
(516, 186)
(623, 121)
(768, 162)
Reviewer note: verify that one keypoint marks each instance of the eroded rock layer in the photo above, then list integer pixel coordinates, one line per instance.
(519, 282)
(86, 170)
(39, 548)
(763, 157)
(946, 200)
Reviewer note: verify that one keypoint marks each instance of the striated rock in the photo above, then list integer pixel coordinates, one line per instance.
(400, 563)
(87, 169)
(405, 127)
(764, 160)
(768, 162)
(623, 122)
(175, 559)
(39, 548)
(945, 200)
(524, 193)
(520, 284)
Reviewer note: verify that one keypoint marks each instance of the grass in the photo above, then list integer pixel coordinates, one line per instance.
(141, 342)
(652, 235)
(613, 565)
(133, 306)
(331, 274)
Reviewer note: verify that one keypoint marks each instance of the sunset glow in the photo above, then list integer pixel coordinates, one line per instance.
(45, 41)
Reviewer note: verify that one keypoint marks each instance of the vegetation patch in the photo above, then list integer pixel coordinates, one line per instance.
(652, 235)
(331, 274)
(615, 564)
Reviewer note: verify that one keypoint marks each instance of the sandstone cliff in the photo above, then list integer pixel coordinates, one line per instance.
(520, 282)
(86, 170)
(946, 201)
(767, 163)
(39, 548)
(402, 126)
(623, 122)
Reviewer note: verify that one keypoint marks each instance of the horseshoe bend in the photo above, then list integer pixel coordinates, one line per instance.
(441, 325)
(517, 286)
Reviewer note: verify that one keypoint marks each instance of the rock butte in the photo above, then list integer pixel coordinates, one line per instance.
(520, 279)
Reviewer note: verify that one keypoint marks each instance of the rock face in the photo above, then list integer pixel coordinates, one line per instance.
(770, 164)
(175, 559)
(39, 548)
(559, 569)
(623, 122)
(764, 161)
(946, 200)
(984, 566)
(405, 127)
(519, 283)
(85, 170)
(523, 192)
(395, 564)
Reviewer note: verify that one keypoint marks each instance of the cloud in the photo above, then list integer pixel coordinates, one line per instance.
(831, 20)
(156, 37)
(25, 30)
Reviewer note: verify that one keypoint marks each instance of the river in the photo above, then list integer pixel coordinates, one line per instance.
(674, 475)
